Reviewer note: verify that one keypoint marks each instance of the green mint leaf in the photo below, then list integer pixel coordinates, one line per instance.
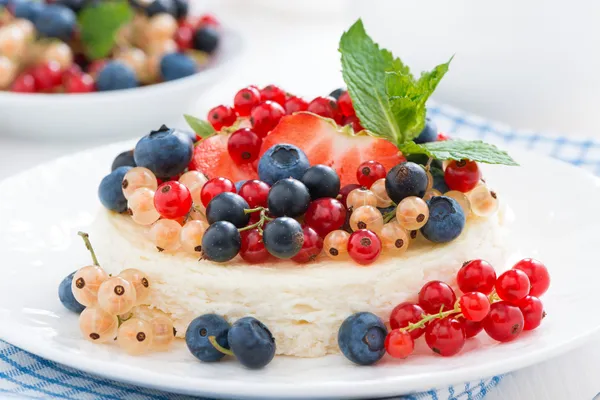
(202, 128)
(99, 24)
(474, 150)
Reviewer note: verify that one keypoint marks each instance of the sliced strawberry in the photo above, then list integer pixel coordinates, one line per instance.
(325, 143)
(212, 158)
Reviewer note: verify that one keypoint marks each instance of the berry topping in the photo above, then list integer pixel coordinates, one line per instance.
(359, 198)
(230, 207)
(404, 180)
(321, 181)
(476, 276)
(150, 152)
(283, 237)
(200, 330)
(137, 178)
(212, 158)
(504, 322)
(311, 247)
(354, 122)
(337, 93)
(221, 242)
(251, 342)
(364, 246)
(445, 337)
(97, 325)
(513, 285)
(475, 306)
(245, 100)
(244, 146)
(533, 312)
(325, 215)
(446, 220)
(335, 244)
(214, 187)
(253, 248)
(110, 191)
(436, 296)
(471, 328)
(537, 273)
(361, 338)
(273, 93)
(429, 132)
(165, 234)
(345, 191)
(295, 104)
(255, 192)
(407, 313)
(395, 239)
(191, 235)
(366, 217)
(282, 161)
(462, 175)
(399, 344)
(221, 116)
(368, 172)
(412, 213)
(265, 116)
(135, 336)
(345, 104)
(172, 200)
(483, 202)
(65, 294)
(325, 107)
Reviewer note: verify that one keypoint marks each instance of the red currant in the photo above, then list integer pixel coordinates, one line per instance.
(312, 246)
(47, 76)
(533, 312)
(295, 104)
(354, 121)
(404, 314)
(221, 116)
(253, 248)
(325, 215)
(345, 103)
(326, 107)
(435, 296)
(513, 285)
(255, 193)
(476, 276)
(472, 328)
(368, 172)
(208, 20)
(273, 93)
(73, 70)
(399, 344)
(83, 83)
(214, 187)
(442, 137)
(504, 322)
(245, 100)
(538, 275)
(265, 116)
(172, 200)
(184, 36)
(243, 146)
(345, 191)
(445, 336)
(364, 246)
(474, 306)
(24, 83)
(462, 175)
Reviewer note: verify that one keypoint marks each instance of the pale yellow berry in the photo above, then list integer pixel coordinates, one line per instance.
(116, 295)
(135, 58)
(140, 282)
(431, 193)
(12, 42)
(57, 51)
(200, 57)
(86, 283)
(97, 325)
(165, 234)
(152, 71)
(8, 72)
(160, 27)
(366, 217)
(394, 239)
(162, 47)
(191, 236)
(194, 181)
(484, 202)
(412, 213)
(378, 189)
(26, 27)
(163, 333)
(335, 244)
(141, 207)
(138, 177)
(461, 199)
(361, 197)
(135, 336)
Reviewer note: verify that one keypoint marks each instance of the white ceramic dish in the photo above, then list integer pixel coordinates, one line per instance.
(39, 247)
(122, 113)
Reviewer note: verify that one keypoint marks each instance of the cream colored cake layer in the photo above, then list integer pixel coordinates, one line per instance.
(303, 305)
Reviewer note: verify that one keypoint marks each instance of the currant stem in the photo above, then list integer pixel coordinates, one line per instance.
(389, 216)
(88, 245)
(216, 345)
(261, 221)
(428, 166)
(251, 210)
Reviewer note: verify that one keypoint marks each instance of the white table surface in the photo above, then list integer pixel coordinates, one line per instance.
(297, 50)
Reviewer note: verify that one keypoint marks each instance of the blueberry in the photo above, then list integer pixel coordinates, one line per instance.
(56, 21)
(230, 207)
(28, 10)
(282, 161)
(361, 338)
(251, 342)
(288, 197)
(198, 332)
(177, 65)
(116, 75)
(404, 180)
(181, 9)
(75, 5)
(110, 191)
(429, 132)
(439, 182)
(337, 93)
(422, 159)
(239, 184)
(221, 242)
(206, 39)
(321, 181)
(283, 237)
(65, 294)
(125, 159)
(446, 220)
(166, 152)
(160, 7)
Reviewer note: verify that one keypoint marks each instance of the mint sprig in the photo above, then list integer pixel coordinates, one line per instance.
(200, 127)
(474, 150)
(99, 24)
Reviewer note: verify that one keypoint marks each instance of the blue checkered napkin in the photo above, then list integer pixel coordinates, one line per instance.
(24, 375)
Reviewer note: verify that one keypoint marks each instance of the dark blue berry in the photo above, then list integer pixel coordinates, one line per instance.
(251, 342)
(439, 183)
(56, 21)
(160, 7)
(337, 93)
(321, 181)
(116, 75)
(282, 161)
(206, 39)
(177, 65)
(75, 5)
(110, 190)
(230, 207)
(65, 294)
(221, 242)
(166, 152)
(283, 237)
(429, 132)
(198, 332)
(361, 338)
(446, 220)
(288, 197)
(28, 10)
(404, 180)
(125, 159)
(181, 9)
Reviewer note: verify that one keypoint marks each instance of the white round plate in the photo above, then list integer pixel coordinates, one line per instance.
(42, 209)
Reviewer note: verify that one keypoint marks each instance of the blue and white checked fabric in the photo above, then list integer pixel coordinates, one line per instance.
(24, 375)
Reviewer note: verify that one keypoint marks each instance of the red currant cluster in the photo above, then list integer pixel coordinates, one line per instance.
(503, 306)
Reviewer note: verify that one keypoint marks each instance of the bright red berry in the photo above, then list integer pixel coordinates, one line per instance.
(435, 296)
(311, 247)
(255, 193)
(345, 191)
(475, 306)
(513, 285)
(243, 146)
(368, 172)
(172, 200)
(325, 215)
(504, 322)
(273, 93)
(326, 107)
(253, 248)
(245, 100)
(214, 187)
(208, 20)
(73, 70)
(24, 83)
(83, 83)
(345, 104)
(462, 175)
(476, 276)
(399, 344)
(441, 137)
(404, 314)
(295, 104)
(364, 246)
(472, 328)
(221, 116)
(538, 275)
(445, 336)
(354, 121)
(265, 116)
(47, 76)
(533, 312)
(184, 36)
